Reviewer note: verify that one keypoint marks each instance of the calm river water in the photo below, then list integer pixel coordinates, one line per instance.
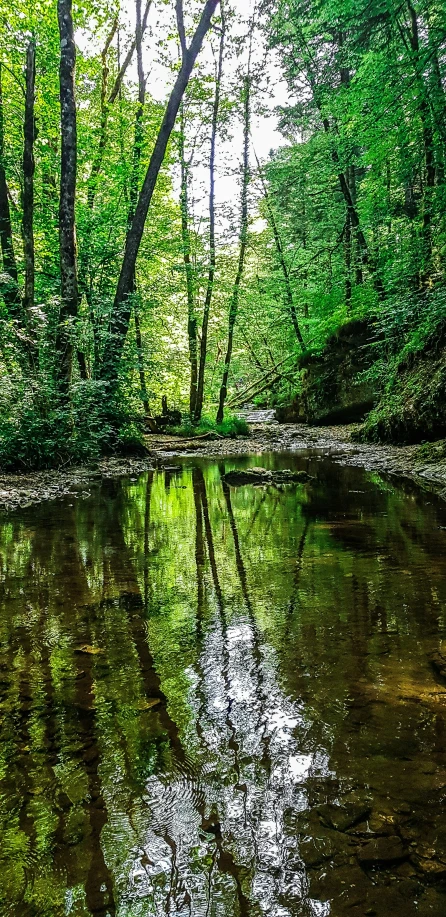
(218, 701)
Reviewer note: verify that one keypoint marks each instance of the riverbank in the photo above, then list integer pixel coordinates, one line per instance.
(423, 464)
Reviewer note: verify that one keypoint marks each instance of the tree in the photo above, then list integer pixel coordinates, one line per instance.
(212, 245)
(122, 303)
(68, 174)
(244, 225)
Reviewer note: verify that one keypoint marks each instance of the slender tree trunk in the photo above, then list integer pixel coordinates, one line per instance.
(305, 246)
(185, 235)
(67, 230)
(345, 81)
(122, 304)
(233, 307)
(439, 109)
(348, 264)
(28, 180)
(410, 37)
(428, 143)
(359, 277)
(107, 100)
(212, 247)
(281, 255)
(366, 258)
(10, 288)
(84, 272)
(97, 162)
(134, 182)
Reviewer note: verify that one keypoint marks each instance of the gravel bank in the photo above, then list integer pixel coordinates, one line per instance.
(24, 490)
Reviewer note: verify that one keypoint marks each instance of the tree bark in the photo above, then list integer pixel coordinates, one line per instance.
(9, 289)
(233, 307)
(67, 228)
(428, 145)
(185, 236)
(134, 181)
(122, 304)
(212, 247)
(348, 264)
(28, 180)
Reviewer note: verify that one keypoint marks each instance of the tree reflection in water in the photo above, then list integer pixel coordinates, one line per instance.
(213, 699)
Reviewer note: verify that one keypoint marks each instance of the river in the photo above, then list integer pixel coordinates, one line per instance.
(219, 701)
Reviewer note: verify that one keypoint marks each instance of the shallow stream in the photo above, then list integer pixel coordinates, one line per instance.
(219, 701)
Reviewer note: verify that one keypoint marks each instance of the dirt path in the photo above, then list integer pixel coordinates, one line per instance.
(23, 490)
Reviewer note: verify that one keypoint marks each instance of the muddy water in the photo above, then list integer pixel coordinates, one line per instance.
(219, 702)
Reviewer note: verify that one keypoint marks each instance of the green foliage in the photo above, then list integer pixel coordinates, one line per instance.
(366, 103)
(38, 429)
(230, 428)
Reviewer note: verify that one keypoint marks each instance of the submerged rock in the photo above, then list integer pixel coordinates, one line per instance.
(382, 851)
(342, 817)
(263, 476)
(438, 663)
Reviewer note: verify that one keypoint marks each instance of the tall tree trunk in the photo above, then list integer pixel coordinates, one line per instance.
(134, 182)
(122, 304)
(233, 307)
(359, 277)
(282, 260)
(28, 179)
(67, 229)
(212, 247)
(185, 235)
(352, 213)
(412, 33)
(348, 263)
(10, 288)
(107, 100)
(305, 246)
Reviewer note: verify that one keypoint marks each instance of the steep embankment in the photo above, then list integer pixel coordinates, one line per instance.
(399, 398)
(334, 383)
(412, 407)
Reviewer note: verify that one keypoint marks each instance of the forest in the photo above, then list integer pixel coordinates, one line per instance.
(222, 458)
(219, 203)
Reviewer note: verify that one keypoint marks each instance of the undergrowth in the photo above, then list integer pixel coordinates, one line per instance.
(38, 430)
(231, 427)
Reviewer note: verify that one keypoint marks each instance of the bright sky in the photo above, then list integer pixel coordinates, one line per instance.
(264, 127)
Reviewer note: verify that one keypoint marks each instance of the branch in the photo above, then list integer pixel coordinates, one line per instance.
(181, 29)
(128, 57)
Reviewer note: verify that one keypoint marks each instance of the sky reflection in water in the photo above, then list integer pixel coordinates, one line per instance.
(212, 699)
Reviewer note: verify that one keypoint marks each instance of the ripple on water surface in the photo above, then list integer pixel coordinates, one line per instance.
(220, 701)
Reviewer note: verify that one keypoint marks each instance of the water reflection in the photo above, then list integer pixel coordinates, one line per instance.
(218, 701)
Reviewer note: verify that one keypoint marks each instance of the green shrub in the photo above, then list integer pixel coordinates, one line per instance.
(231, 427)
(39, 430)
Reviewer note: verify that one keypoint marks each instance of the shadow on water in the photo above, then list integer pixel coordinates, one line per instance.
(219, 701)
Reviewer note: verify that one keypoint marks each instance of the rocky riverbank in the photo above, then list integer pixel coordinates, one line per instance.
(425, 464)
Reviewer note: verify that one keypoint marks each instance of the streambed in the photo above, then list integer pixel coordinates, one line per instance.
(220, 701)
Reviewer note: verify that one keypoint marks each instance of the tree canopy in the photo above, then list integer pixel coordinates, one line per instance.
(154, 243)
